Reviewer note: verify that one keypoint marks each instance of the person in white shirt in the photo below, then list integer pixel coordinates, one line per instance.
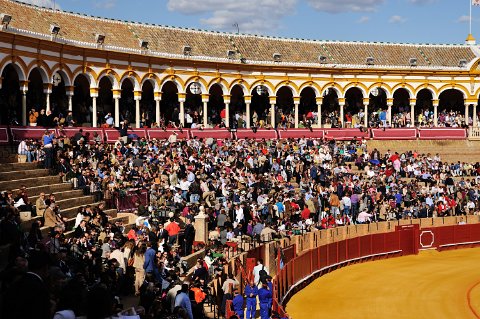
(256, 271)
(364, 217)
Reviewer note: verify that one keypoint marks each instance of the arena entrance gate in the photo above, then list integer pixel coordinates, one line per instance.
(409, 238)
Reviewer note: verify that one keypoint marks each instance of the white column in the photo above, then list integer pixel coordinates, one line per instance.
(47, 95)
(70, 103)
(342, 104)
(24, 108)
(137, 111)
(227, 114)
(467, 105)
(389, 114)
(365, 115)
(205, 113)
(296, 113)
(94, 111)
(319, 101)
(272, 115)
(157, 110)
(117, 111)
(474, 115)
(247, 106)
(412, 113)
(435, 113)
(182, 112)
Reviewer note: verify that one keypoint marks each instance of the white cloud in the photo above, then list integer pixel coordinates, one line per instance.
(43, 3)
(463, 19)
(251, 15)
(397, 19)
(338, 6)
(421, 2)
(105, 4)
(363, 19)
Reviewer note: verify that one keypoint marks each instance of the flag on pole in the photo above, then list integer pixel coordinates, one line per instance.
(475, 2)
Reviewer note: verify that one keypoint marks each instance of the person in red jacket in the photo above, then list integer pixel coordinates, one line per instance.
(173, 229)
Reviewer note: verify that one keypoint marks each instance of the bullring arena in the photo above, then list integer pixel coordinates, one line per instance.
(150, 171)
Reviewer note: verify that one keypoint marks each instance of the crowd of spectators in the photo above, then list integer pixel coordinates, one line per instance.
(246, 189)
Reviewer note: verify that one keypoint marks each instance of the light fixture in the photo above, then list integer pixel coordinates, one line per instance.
(231, 54)
(322, 59)
(277, 57)
(195, 88)
(375, 92)
(261, 90)
(54, 29)
(326, 92)
(100, 38)
(143, 44)
(413, 61)
(462, 63)
(6, 19)
(187, 50)
(370, 61)
(56, 79)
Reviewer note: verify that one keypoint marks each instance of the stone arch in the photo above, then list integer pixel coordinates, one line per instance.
(314, 86)
(242, 84)
(360, 86)
(18, 64)
(334, 86)
(200, 80)
(433, 90)
(175, 80)
(292, 86)
(44, 72)
(65, 72)
(133, 77)
(223, 84)
(153, 79)
(407, 87)
(88, 73)
(381, 85)
(112, 76)
(457, 87)
(268, 85)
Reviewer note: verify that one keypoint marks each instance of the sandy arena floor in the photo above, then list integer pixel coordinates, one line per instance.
(430, 285)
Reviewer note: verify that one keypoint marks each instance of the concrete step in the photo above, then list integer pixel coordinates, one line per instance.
(68, 203)
(124, 220)
(7, 167)
(70, 223)
(71, 193)
(72, 211)
(15, 175)
(29, 182)
(35, 191)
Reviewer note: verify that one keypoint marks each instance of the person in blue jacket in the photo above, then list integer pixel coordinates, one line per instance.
(264, 296)
(251, 292)
(270, 287)
(237, 303)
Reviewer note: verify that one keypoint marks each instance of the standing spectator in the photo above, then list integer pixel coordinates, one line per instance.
(251, 292)
(189, 237)
(182, 300)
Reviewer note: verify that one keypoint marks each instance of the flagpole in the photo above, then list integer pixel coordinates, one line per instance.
(470, 20)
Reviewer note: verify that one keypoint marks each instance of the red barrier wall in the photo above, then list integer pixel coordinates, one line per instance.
(345, 133)
(394, 134)
(300, 133)
(447, 237)
(442, 134)
(18, 133)
(406, 240)
(261, 133)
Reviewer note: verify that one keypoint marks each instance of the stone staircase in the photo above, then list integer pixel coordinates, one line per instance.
(37, 180)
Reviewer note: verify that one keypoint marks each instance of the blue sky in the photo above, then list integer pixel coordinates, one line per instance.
(411, 21)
